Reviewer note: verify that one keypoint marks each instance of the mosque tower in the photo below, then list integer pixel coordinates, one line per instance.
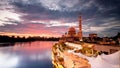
(80, 28)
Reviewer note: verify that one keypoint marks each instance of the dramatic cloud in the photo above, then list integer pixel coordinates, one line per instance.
(7, 17)
(48, 17)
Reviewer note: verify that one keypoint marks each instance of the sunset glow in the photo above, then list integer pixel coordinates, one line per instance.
(28, 35)
(54, 17)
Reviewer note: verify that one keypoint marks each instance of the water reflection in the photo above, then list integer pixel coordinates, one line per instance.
(26, 55)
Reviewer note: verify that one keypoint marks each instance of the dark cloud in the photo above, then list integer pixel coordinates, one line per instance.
(36, 11)
(97, 14)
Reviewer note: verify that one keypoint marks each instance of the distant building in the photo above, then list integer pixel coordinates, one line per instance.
(71, 35)
(107, 41)
(80, 29)
(71, 32)
(92, 35)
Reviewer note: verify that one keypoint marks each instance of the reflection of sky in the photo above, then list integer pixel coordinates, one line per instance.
(26, 55)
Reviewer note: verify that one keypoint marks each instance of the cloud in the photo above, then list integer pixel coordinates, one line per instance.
(56, 16)
(62, 5)
(5, 5)
(29, 29)
(7, 17)
(54, 23)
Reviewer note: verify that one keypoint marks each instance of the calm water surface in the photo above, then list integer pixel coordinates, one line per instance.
(26, 55)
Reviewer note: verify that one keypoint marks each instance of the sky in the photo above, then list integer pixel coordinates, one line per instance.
(54, 17)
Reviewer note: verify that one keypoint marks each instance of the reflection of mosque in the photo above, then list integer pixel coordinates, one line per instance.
(71, 35)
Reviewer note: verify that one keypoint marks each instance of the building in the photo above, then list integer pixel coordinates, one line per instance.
(71, 35)
(93, 37)
(80, 29)
(71, 32)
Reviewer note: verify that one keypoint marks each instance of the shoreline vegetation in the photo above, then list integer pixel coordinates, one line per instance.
(10, 41)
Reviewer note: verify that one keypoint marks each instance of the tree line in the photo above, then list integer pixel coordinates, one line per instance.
(12, 39)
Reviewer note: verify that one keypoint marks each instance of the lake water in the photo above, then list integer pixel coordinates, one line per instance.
(27, 55)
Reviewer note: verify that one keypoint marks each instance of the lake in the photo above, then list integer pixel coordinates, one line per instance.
(27, 55)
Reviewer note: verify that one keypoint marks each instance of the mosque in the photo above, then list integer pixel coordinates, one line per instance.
(71, 35)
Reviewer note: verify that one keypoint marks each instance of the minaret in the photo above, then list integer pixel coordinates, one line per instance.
(80, 28)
